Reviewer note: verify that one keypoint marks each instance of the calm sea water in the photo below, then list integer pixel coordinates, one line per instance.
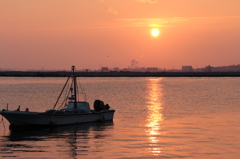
(155, 118)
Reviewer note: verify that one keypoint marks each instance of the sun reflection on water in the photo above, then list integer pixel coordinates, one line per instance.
(155, 116)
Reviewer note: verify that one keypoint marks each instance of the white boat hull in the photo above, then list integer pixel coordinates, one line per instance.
(21, 118)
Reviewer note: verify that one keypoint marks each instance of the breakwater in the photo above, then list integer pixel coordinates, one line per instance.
(117, 74)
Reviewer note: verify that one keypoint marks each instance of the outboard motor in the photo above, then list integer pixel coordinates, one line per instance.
(98, 105)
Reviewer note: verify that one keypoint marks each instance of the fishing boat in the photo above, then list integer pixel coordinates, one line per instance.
(73, 111)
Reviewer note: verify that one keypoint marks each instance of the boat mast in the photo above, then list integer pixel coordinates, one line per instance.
(61, 92)
(74, 87)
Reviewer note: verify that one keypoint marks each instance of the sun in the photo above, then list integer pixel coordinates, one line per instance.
(155, 32)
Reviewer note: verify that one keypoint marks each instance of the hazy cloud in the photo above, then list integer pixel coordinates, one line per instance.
(113, 11)
(147, 1)
(154, 22)
(110, 9)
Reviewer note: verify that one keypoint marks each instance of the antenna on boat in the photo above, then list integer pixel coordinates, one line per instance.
(75, 87)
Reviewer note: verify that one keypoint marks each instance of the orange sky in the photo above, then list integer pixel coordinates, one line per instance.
(55, 34)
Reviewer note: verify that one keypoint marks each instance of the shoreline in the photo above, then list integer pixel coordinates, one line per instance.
(116, 74)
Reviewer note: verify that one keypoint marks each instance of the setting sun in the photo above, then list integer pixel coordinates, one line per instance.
(155, 32)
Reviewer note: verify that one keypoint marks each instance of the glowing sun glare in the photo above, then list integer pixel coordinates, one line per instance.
(155, 32)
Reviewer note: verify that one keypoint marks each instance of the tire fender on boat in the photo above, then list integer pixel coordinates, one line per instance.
(102, 118)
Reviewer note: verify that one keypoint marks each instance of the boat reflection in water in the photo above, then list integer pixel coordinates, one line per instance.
(57, 142)
(155, 117)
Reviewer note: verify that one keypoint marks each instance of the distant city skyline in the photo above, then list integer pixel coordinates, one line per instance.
(54, 35)
(186, 68)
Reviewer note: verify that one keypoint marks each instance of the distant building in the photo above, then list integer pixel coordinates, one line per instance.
(231, 68)
(104, 69)
(125, 70)
(187, 68)
(152, 69)
(208, 68)
(116, 69)
(142, 69)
